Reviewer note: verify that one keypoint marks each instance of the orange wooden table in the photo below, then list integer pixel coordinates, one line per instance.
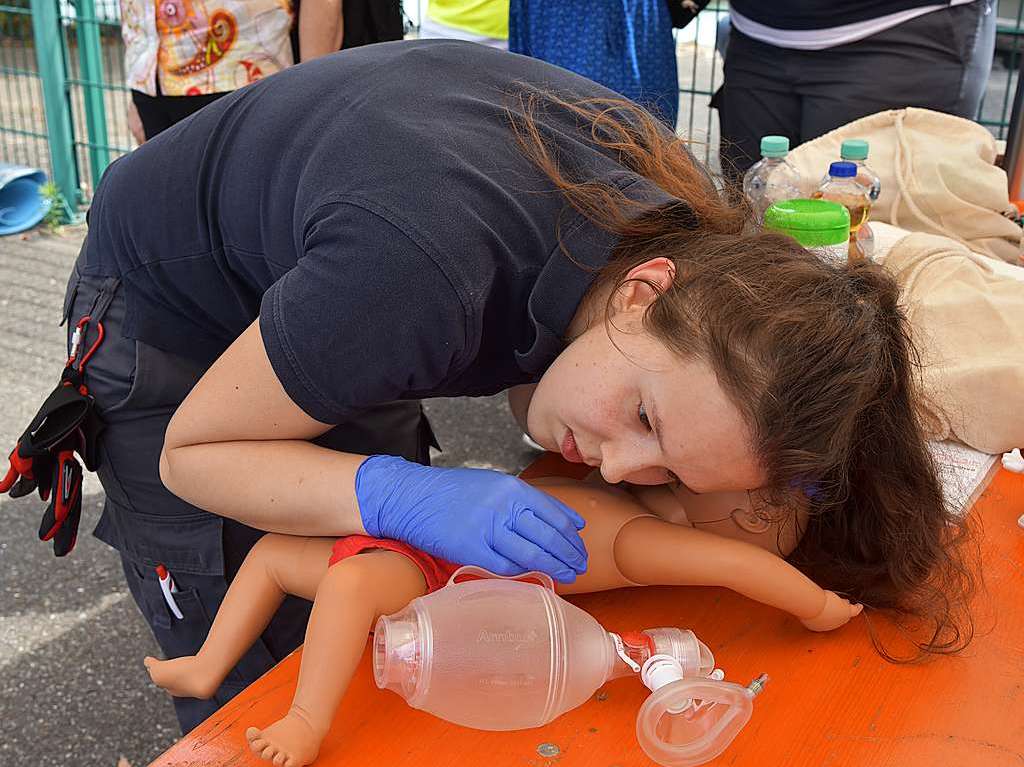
(831, 700)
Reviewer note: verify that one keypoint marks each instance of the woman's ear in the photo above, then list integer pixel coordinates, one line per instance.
(644, 283)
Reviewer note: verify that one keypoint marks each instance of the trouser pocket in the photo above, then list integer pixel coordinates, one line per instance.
(197, 598)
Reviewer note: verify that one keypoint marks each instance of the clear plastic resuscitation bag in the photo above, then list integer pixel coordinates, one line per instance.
(498, 653)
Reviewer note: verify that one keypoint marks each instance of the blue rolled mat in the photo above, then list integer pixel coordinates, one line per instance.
(22, 206)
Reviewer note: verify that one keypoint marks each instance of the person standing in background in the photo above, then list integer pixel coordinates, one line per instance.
(478, 21)
(364, 22)
(627, 46)
(800, 68)
(181, 55)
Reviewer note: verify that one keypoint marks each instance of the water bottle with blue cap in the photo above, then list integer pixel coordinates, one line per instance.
(841, 186)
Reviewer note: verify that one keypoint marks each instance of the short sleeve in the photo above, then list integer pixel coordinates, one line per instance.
(366, 316)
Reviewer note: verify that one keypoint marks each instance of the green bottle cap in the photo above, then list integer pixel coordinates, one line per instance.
(774, 146)
(812, 223)
(854, 149)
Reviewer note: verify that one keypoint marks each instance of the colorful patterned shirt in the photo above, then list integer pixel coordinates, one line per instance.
(196, 47)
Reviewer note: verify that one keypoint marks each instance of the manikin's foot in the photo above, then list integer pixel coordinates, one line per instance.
(185, 677)
(288, 742)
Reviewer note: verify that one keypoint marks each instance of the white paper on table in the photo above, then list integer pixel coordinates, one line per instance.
(963, 471)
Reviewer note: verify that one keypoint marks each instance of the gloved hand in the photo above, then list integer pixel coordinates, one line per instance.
(471, 517)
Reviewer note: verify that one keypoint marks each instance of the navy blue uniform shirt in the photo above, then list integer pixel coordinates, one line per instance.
(373, 209)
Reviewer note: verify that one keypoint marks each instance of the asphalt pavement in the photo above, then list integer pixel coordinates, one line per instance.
(73, 690)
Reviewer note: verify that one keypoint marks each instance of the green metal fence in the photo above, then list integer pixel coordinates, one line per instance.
(23, 137)
(63, 98)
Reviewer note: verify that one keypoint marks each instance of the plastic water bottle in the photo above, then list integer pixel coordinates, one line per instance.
(504, 654)
(841, 186)
(771, 179)
(855, 150)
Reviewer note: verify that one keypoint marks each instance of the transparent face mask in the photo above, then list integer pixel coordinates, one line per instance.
(691, 721)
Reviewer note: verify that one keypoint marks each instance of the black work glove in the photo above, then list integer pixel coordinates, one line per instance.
(30, 470)
(43, 460)
(61, 518)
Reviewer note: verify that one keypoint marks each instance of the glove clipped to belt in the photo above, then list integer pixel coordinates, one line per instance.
(44, 458)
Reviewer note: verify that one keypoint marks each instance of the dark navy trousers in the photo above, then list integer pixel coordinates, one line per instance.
(137, 388)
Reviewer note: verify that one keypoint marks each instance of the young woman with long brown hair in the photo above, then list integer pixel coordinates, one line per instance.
(284, 274)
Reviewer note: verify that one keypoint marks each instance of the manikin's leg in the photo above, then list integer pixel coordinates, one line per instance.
(276, 566)
(352, 594)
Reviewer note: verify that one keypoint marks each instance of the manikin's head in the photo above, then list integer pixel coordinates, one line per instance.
(757, 364)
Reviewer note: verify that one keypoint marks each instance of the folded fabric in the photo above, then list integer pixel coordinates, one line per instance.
(967, 317)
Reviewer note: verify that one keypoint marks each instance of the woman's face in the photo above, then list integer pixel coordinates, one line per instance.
(618, 399)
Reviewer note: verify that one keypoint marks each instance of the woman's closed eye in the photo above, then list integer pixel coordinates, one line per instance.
(641, 413)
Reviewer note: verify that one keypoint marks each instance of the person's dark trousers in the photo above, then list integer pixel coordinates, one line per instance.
(940, 60)
(137, 389)
(158, 113)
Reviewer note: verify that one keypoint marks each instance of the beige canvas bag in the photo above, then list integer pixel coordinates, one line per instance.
(937, 176)
(967, 317)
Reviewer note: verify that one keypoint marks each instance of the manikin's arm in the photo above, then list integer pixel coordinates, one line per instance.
(628, 548)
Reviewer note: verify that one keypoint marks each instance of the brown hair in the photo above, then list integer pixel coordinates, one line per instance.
(816, 355)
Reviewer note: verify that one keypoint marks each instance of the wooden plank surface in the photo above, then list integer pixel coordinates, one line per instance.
(832, 701)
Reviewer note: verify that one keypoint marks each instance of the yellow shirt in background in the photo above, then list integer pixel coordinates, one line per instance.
(488, 18)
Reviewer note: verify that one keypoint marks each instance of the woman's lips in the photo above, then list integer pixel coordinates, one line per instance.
(570, 451)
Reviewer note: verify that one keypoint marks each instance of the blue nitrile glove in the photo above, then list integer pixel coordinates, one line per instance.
(470, 517)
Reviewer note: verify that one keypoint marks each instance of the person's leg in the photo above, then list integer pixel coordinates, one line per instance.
(371, 21)
(350, 597)
(151, 113)
(755, 100)
(278, 565)
(137, 389)
(923, 63)
(158, 113)
(655, 53)
(978, 61)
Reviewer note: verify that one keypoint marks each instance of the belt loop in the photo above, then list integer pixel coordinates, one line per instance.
(102, 302)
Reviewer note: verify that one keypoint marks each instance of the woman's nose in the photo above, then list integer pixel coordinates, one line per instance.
(629, 463)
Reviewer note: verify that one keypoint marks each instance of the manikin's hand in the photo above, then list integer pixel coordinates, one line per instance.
(471, 516)
(836, 612)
